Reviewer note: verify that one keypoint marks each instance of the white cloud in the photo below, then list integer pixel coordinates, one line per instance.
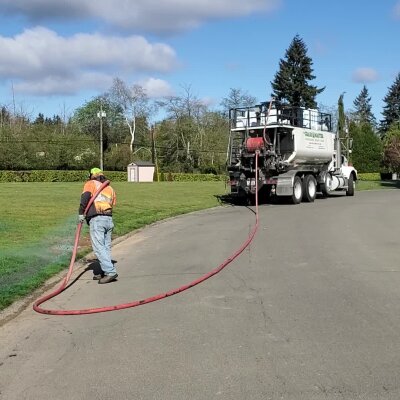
(71, 85)
(156, 87)
(364, 75)
(145, 15)
(40, 58)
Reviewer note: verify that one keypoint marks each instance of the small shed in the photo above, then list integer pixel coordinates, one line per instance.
(141, 171)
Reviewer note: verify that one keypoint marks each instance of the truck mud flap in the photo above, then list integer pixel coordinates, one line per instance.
(284, 186)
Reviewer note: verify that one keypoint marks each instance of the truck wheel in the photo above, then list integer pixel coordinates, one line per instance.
(351, 186)
(325, 186)
(309, 188)
(297, 190)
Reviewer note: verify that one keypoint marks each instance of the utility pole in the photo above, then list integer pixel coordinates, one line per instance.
(14, 118)
(100, 115)
(154, 150)
(340, 131)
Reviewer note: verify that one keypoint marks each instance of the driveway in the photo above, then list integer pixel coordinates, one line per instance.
(311, 310)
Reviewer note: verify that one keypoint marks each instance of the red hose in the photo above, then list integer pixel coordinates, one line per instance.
(149, 299)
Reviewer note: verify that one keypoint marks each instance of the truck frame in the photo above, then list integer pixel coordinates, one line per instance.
(298, 154)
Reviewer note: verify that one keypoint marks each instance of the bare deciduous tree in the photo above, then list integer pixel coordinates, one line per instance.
(186, 111)
(133, 101)
(237, 98)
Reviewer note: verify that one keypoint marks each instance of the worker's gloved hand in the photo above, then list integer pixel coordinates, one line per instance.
(81, 218)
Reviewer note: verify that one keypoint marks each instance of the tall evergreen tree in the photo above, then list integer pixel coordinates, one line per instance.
(291, 81)
(341, 117)
(39, 119)
(391, 109)
(363, 108)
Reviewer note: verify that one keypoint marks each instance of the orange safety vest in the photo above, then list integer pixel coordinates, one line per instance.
(104, 202)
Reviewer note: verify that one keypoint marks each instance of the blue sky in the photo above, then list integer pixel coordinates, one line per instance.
(58, 54)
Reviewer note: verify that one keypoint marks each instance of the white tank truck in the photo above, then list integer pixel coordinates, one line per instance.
(298, 154)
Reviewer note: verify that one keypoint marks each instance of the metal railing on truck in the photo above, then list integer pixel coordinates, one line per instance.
(280, 114)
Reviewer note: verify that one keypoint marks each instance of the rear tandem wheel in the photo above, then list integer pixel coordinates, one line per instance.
(309, 188)
(297, 195)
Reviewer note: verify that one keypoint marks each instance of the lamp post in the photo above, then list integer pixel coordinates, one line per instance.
(101, 115)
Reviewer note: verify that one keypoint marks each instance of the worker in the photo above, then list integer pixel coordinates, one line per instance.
(100, 221)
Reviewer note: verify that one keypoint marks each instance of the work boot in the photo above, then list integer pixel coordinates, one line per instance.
(108, 278)
(97, 277)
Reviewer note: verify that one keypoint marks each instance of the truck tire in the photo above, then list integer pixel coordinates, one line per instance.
(297, 190)
(325, 185)
(351, 186)
(309, 188)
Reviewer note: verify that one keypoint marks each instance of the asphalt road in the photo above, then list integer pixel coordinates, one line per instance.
(311, 310)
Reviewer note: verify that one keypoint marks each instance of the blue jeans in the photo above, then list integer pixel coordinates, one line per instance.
(101, 228)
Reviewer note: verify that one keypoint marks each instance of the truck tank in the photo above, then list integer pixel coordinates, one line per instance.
(310, 147)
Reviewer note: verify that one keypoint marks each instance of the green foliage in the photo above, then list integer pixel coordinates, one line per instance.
(178, 177)
(113, 176)
(118, 157)
(391, 109)
(192, 143)
(391, 153)
(45, 146)
(87, 121)
(56, 176)
(341, 117)
(116, 176)
(363, 108)
(367, 148)
(369, 176)
(291, 81)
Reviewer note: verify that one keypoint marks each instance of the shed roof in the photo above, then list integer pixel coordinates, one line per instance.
(142, 163)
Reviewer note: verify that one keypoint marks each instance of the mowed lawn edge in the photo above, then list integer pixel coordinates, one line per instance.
(38, 227)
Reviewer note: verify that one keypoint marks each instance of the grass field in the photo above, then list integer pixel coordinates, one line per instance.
(375, 185)
(38, 222)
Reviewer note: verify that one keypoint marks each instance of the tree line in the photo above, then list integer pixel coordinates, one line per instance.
(191, 136)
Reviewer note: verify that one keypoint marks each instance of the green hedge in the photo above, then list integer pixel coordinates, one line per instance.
(121, 176)
(55, 176)
(369, 176)
(180, 177)
(114, 176)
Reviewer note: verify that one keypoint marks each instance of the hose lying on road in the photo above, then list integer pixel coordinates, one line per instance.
(36, 305)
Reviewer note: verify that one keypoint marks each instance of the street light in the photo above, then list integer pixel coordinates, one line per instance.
(101, 115)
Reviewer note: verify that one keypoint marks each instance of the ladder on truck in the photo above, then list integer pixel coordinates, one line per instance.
(234, 148)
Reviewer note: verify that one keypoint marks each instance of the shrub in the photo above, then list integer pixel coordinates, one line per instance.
(181, 177)
(369, 176)
(367, 148)
(113, 176)
(56, 176)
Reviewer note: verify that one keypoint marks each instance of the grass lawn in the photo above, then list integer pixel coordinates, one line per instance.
(37, 226)
(375, 185)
